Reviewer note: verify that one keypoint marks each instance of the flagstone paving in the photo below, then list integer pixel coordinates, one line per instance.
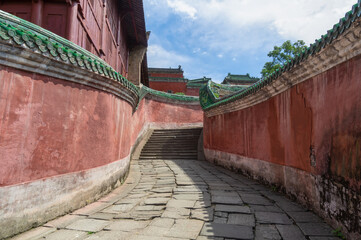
(186, 199)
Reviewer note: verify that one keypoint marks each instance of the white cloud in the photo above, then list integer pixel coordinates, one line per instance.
(220, 55)
(182, 7)
(160, 57)
(291, 19)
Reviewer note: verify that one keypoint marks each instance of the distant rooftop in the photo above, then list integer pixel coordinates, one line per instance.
(199, 82)
(239, 79)
(166, 70)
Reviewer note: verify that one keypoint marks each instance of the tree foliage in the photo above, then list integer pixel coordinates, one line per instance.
(281, 55)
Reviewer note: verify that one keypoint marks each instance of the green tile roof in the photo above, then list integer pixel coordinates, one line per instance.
(236, 78)
(23, 33)
(197, 83)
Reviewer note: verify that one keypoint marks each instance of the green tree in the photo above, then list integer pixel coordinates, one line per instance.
(281, 55)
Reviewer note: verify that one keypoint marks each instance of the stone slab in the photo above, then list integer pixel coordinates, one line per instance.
(126, 225)
(241, 219)
(304, 217)
(173, 203)
(316, 229)
(232, 208)
(163, 222)
(255, 199)
(227, 231)
(267, 232)
(186, 228)
(290, 232)
(66, 234)
(272, 218)
(156, 201)
(88, 225)
(226, 200)
(260, 208)
(35, 233)
(202, 214)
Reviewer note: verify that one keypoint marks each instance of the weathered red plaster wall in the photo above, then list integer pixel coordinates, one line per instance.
(165, 86)
(50, 127)
(318, 120)
(192, 91)
(160, 112)
(170, 75)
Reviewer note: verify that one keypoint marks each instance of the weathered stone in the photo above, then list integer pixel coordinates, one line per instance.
(102, 216)
(163, 222)
(316, 229)
(241, 219)
(63, 221)
(118, 208)
(304, 217)
(149, 208)
(188, 196)
(289, 206)
(202, 214)
(109, 235)
(220, 219)
(126, 225)
(226, 200)
(264, 232)
(156, 201)
(176, 213)
(232, 208)
(89, 225)
(255, 199)
(35, 233)
(290, 232)
(202, 204)
(227, 231)
(221, 214)
(186, 228)
(324, 238)
(260, 208)
(273, 218)
(66, 234)
(173, 203)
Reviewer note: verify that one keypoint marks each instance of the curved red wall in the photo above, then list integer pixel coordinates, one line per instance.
(161, 112)
(317, 120)
(50, 127)
(166, 86)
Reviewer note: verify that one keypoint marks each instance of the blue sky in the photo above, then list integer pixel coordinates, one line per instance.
(214, 37)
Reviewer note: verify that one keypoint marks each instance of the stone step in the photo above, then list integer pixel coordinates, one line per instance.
(168, 154)
(169, 157)
(179, 150)
(181, 144)
(170, 144)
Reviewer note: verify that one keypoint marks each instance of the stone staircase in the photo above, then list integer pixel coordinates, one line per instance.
(173, 144)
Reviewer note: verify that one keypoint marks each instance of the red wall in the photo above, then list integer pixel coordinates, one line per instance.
(165, 86)
(50, 127)
(160, 112)
(320, 117)
(168, 75)
(192, 91)
(85, 24)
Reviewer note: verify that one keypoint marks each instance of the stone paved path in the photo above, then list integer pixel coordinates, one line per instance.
(175, 199)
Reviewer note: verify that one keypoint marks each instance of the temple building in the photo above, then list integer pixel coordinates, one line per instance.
(113, 30)
(234, 79)
(194, 85)
(171, 80)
